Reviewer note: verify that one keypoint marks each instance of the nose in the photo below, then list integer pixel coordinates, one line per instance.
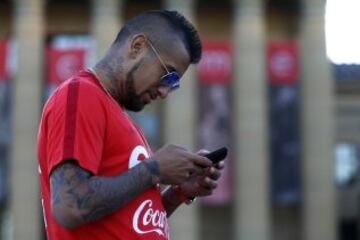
(163, 91)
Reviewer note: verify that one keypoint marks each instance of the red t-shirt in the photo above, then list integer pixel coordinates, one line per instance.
(80, 121)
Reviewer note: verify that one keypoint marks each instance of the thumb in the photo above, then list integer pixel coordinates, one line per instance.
(202, 152)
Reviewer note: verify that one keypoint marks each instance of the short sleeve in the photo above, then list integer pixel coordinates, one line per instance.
(76, 126)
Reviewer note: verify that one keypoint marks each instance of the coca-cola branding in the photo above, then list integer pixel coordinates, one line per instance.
(149, 220)
(136, 154)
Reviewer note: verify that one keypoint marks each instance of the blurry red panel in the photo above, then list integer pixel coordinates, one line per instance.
(2, 60)
(283, 62)
(63, 63)
(216, 63)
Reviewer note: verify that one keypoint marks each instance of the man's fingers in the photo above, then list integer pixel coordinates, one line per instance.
(220, 165)
(199, 160)
(202, 152)
(207, 183)
(214, 173)
(198, 170)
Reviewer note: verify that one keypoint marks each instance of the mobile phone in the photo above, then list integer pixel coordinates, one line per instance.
(217, 155)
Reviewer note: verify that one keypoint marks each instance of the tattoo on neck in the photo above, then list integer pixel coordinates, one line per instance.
(109, 70)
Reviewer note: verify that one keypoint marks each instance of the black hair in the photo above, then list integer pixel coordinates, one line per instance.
(160, 24)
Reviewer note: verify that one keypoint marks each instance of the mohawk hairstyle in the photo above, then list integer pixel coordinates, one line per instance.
(159, 24)
(192, 39)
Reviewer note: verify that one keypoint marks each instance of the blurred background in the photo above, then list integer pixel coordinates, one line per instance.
(279, 84)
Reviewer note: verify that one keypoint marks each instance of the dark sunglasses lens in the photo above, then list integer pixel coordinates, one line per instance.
(171, 80)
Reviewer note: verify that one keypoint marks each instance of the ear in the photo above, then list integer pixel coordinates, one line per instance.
(138, 45)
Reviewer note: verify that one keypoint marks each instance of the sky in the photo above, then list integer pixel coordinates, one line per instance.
(342, 27)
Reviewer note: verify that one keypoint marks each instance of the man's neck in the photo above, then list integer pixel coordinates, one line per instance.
(108, 79)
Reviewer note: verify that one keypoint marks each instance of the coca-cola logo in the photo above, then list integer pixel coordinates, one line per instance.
(136, 154)
(149, 220)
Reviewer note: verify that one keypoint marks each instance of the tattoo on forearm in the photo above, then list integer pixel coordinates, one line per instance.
(153, 167)
(93, 197)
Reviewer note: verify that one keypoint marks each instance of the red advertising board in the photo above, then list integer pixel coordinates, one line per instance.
(3, 56)
(216, 63)
(214, 73)
(282, 62)
(63, 63)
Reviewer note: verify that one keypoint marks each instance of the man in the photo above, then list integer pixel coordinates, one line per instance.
(99, 178)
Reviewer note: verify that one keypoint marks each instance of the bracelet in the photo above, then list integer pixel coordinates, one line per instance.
(184, 199)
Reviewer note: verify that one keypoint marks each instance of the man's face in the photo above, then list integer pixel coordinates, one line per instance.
(142, 85)
(133, 101)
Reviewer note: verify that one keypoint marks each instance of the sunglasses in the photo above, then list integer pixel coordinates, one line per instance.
(171, 79)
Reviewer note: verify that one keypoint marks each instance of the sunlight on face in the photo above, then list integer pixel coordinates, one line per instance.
(342, 20)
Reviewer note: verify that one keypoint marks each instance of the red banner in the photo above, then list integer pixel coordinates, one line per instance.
(283, 62)
(215, 73)
(216, 63)
(63, 63)
(3, 56)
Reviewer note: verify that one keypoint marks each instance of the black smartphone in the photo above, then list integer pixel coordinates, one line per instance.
(217, 155)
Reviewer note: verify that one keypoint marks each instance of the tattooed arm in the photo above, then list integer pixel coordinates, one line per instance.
(171, 200)
(77, 197)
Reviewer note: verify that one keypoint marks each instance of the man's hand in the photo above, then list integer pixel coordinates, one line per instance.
(200, 183)
(203, 184)
(177, 165)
